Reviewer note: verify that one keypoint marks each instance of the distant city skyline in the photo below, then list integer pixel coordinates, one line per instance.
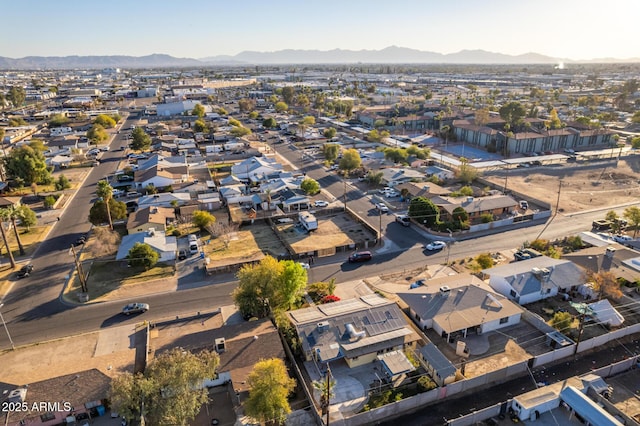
(568, 29)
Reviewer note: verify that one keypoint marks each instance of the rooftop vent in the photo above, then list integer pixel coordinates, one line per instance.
(323, 326)
(445, 290)
(609, 252)
(17, 395)
(353, 333)
(220, 345)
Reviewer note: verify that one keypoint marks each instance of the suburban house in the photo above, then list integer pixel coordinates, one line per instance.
(615, 258)
(439, 172)
(255, 169)
(459, 305)
(422, 189)
(174, 108)
(160, 177)
(60, 161)
(79, 396)
(356, 330)
(535, 279)
(495, 205)
(394, 176)
(164, 199)
(165, 246)
(150, 218)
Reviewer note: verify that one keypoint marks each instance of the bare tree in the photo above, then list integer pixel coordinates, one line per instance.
(224, 231)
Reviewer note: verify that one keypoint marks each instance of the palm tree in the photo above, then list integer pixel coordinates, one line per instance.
(105, 191)
(12, 213)
(6, 244)
(325, 387)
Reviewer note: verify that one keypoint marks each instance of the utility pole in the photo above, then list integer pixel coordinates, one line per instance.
(13, 347)
(328, 392)
(81, 276)
(380, 228)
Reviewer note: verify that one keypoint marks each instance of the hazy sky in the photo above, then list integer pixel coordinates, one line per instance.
(574, 29)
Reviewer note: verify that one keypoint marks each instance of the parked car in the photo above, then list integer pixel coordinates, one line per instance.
(435, 245)
(418, 283)
(25, 271)
(135, 308)
(320, 203)
(182, 254)
(622, 239)
(360, 256)
(383, 208)
(304, 265)
(392, 194)
(403, 220)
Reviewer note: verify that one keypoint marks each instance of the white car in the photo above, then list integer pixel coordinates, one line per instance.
(622, 239)
(382, 208)
(304, 265)
(320, 203)
(392, 194)
(435, 245)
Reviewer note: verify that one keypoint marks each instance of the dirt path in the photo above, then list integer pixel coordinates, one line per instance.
(587, 187)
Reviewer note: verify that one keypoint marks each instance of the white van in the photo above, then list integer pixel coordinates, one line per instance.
(193, 244)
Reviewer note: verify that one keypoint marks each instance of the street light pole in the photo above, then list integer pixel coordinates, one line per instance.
(449, 245)
(13, 347)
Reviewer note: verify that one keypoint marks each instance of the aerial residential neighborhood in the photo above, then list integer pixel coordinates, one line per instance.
(205, 242)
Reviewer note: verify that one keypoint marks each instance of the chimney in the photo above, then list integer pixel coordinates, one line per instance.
(445, 290)
(609, 252)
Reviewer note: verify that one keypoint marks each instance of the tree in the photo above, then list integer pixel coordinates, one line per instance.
(288, 93)
(98, 213)
(27, 217)
(375, 178)
(310, 186)
(376, 136)
(460, 215)
(12, 260)
(105, 192)
(222, 111)
(198, 110)
(141, 254)
(140, 140)
(62, 183)
(58, 120)
(636, 117)
(466, 173)
(306, 122)
(397, 155)
(38, 145)
(484, 260)
(281, 106)
(10, 214)
(239, 131)
(605, 283)
(330, 133)
(270, 284)
(105, 121)
(562, 321)
(16, 96)
(200, 126)
(270, 123)
(632, 214)
(27, 165)
(223, 231)
(170, 389)
(97, 133)
(269, 386)
(202, 219)
(482, 117)
(513, 113)
(554, 121)
(330, 151)
(246, 105)
(350, 161)
(325, 387)
(424, 211)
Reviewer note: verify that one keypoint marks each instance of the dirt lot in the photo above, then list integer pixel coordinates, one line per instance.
(585, 186)
(333, 231)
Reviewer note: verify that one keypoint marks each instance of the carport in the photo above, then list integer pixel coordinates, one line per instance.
(588, 410)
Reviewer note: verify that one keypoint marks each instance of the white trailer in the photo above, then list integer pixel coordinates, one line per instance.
(308, 221)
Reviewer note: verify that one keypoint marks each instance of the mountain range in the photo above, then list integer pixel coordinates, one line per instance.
(389, 55)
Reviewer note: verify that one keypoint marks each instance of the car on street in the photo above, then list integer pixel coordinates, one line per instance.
(391, 194)
(104, 148)
(135, 308)
(25, 271)
(435, 245)
(360, 256)
(182, 254)
(80, 240)
(320, 203)
(382, 208)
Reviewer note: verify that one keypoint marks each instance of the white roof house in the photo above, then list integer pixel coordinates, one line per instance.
(255, 166)
(165, 246)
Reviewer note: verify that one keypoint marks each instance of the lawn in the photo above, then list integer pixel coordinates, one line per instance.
(30, 239)
(108, 276)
